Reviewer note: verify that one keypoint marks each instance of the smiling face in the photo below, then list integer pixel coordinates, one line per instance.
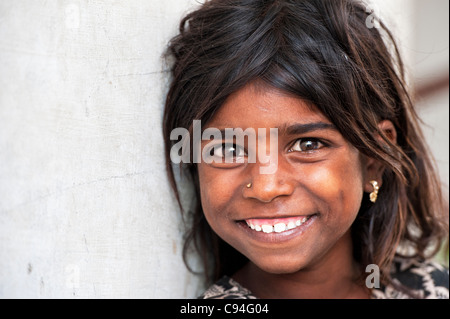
(299, 216)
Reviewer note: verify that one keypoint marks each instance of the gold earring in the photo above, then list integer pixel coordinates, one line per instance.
(249, 185)
(374, 194)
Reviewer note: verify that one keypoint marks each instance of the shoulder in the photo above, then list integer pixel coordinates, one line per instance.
(426, 279)
(227, 288)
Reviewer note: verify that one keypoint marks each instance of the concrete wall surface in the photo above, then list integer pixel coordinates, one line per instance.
(85, 208)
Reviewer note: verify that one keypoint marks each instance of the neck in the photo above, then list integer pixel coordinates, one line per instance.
(334, 276)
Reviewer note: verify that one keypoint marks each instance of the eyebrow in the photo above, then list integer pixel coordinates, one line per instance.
(299, 128)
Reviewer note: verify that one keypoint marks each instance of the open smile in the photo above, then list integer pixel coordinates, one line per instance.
(277, 225)
(276, 229)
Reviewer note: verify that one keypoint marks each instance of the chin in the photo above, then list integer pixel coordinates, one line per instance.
(280, 266)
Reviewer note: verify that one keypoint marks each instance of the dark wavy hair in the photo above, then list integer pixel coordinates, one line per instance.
(326, 53)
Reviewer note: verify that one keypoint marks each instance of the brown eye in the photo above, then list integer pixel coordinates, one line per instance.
(228, 150)
(306, 145)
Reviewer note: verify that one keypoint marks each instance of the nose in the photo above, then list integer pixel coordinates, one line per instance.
(266, 187)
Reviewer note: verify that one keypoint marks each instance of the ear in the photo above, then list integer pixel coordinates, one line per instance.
(374, 168)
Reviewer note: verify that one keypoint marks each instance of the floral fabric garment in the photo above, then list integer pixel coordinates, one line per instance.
(426, 280)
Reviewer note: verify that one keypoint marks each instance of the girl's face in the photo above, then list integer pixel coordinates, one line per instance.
(298, 216)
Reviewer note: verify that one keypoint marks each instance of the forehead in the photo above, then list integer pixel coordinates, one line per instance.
(262, 106)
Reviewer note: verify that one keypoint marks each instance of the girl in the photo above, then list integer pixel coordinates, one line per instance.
(353, 208)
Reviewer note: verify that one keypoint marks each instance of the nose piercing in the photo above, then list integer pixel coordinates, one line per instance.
(249, 185)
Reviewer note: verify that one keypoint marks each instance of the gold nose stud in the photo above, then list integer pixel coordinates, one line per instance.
(249, 185)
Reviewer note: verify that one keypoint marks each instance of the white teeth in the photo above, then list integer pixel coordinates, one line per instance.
(279, 227)
(291, 225)
(267, 229)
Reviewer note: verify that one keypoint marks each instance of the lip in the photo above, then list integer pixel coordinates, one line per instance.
(277, 237)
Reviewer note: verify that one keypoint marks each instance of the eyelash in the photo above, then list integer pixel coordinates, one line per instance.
(320, 144)
(228, 146)
(237, 148)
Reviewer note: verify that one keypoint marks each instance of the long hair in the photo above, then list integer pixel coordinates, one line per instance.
(325, 53)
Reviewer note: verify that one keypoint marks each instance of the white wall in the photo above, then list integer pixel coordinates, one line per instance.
(431, 62)
(422, 31)
(85, 208)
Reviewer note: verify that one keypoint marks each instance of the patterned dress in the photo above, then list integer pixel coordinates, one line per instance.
(427, 280)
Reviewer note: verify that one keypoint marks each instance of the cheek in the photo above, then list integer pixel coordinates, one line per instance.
(339, 190)
(216, 192)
